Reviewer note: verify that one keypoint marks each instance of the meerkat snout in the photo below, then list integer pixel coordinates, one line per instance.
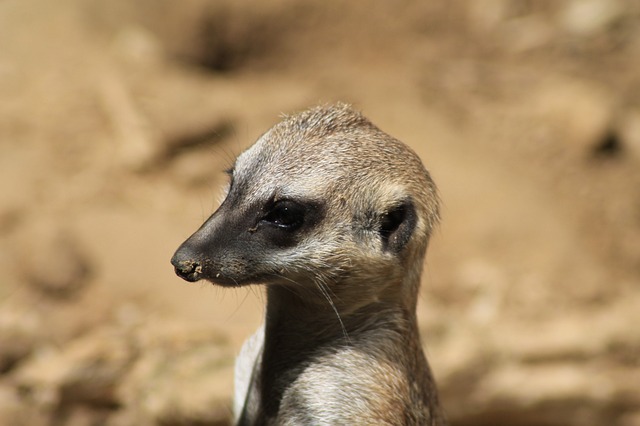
(334, 217)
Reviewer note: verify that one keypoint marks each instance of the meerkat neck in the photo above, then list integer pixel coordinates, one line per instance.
(326, 316)
(297, 330)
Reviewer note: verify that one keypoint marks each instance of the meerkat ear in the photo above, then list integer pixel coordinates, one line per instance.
(397, 225)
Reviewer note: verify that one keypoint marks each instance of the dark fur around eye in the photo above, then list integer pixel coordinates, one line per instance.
(286, 215)
(391, 220)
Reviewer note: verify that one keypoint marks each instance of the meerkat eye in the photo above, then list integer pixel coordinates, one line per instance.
(286, 214)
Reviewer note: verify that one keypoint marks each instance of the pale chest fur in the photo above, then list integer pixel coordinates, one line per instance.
(353, 385)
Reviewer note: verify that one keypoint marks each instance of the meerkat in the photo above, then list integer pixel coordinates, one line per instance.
(334, 216)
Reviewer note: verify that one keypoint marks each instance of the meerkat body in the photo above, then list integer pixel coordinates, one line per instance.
(334, 216)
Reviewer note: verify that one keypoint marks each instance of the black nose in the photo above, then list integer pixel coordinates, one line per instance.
(187, 268)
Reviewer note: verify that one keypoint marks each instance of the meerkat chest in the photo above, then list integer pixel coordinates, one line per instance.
(246, 397)
(346, 388)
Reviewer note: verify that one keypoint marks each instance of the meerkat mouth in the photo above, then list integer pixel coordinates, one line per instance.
(195, 270)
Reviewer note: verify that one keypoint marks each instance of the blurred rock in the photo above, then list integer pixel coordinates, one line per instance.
(53, 262)
(157, 372)
(12, 410)
(183, 376)
(147, 135)
(527, 33)
(197, 168)
(219, 36)
(10, 218)
(588, 17)
(134, 134)
(20, 332)
(86, 371)
(489, 14)
(558, 371)
(199, 135)
(581, 111)
(629, 125)
(631, 419)
(485, 283)
(139, 46)
(529, 385)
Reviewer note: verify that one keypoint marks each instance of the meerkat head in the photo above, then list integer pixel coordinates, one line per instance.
(322, 197)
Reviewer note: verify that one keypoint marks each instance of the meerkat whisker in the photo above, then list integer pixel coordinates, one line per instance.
(325, 293)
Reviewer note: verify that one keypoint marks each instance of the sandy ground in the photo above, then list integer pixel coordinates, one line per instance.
(118, 118)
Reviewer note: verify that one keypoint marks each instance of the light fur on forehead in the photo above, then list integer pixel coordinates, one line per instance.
(324, 120)
(336, 148)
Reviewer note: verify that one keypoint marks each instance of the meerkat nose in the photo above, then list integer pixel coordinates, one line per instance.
(186, 267)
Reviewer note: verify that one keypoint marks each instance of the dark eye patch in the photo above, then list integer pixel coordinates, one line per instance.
(286, 214)
(391, 220)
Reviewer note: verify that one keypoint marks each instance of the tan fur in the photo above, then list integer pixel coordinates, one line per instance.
(340, 343)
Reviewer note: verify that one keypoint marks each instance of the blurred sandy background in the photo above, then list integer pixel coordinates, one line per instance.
(118, 117)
